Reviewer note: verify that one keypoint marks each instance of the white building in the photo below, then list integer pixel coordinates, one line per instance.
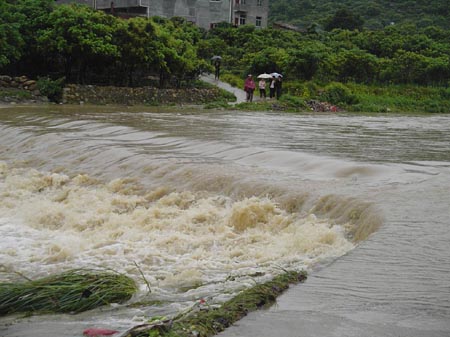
(204, 13)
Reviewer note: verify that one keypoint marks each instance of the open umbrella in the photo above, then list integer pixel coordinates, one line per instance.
(264, 76)
(216, 57)
(276, 75)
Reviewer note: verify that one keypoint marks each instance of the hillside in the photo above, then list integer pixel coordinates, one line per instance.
(376, 14)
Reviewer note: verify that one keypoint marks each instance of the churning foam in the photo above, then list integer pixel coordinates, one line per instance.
(51, 222)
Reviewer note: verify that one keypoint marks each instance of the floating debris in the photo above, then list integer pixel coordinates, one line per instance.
(201, 321)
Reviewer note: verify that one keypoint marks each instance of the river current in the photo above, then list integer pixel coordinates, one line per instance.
(200, 204)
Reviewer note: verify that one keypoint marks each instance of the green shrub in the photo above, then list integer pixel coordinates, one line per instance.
(53, 89)
(295, 88)
(233, 80)
(292, 101)
(305, 90)
(338, 93)
(445, 93)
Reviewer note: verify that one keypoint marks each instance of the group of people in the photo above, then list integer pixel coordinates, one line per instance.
(274, 87)
(275, 82)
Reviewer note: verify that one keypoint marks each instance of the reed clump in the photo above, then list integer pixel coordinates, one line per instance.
(206, 322)
(70, 292)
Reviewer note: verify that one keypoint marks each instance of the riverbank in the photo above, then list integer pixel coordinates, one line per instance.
(352, 97)
(209, 93)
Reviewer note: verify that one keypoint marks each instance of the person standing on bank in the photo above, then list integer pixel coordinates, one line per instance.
(217, 69)
(249, 87)
(272, 88)
(278, 85)
(262, 88)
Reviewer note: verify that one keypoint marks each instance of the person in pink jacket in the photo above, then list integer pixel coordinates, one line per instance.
(249, 87)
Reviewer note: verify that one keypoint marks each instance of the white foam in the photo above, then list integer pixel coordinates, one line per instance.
(51, 222)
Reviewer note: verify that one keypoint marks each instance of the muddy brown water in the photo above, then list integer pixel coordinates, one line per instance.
(204, 200)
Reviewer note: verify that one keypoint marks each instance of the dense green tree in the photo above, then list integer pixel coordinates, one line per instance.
(375, 13)
(137, 45)
(356, 65)
(92, 47)
(269, 59)
(80, 36)
(178, 58)
(34, 18)
(305, 61)
(437, 71)
(405, 67)
(11, 41)
(344, 19)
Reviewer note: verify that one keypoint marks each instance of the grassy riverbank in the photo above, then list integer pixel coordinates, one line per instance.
(352, 97)
(400, 98)
(310, 96)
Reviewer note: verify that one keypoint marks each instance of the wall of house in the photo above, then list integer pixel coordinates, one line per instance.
(204, 13)
(252, 10)
(201, 12)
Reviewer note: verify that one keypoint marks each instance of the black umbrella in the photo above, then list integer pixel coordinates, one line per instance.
(216, 57)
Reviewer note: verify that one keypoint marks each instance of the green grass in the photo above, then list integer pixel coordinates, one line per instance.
(286, 102)
(365, 98)
(219, 104)
(232, 79)
(73, 291)
(400, 98)
(19, 94)
(227, 96)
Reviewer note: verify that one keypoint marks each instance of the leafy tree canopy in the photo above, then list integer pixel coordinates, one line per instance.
(376, 14)
(11, 41)
(344, 19)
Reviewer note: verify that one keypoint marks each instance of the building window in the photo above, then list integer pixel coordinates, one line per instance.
(259, 3)
(258, 21)
(242, 18)
(240, 2)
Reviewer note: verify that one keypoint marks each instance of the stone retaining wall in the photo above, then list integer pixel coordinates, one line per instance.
(19, 89)
(90, 94)
(21, 82)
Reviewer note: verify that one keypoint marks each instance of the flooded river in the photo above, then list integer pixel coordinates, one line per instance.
(204, 203)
